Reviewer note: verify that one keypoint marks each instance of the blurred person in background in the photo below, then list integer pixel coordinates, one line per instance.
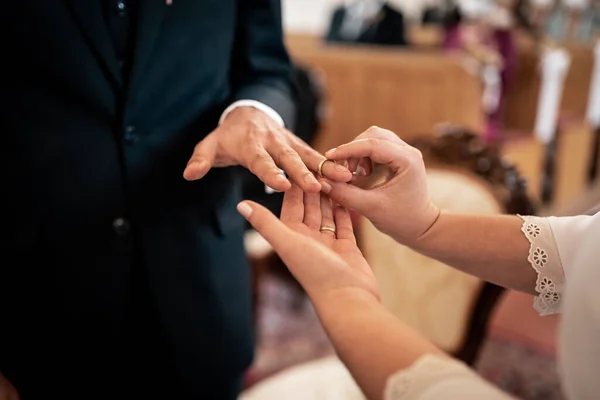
(120, 278)
(485, 29)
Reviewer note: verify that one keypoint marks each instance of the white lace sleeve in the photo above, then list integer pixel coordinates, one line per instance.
(545, 259)
(440, 378)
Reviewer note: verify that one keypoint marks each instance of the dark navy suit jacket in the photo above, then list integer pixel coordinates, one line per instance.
(92, 181)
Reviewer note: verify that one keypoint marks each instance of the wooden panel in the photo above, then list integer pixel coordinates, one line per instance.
(527, 154)
(409, 92)
(572, 163)
(522, 97)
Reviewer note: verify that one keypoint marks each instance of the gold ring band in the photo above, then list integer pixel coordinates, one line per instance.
(328, 229)
(320, 167)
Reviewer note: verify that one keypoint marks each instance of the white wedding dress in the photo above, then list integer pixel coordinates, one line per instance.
(565, 253)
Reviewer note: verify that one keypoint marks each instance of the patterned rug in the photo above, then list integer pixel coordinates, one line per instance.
(290, 334)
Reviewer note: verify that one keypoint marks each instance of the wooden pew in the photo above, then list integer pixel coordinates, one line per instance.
(522, 96)
(573, 158)
(407, 91)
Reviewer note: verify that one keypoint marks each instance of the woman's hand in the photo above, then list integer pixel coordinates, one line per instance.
(325, 263)
(399, 206)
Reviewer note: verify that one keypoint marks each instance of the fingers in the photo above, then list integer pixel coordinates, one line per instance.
(261, 164)
(312, 210)
(350, 196)
(202, 160)
(365, 167)
(268, 225)
(380, 151)
(379, 133)
(343, 223)
(327, 219)
(353, 164)
(292, 209)
(289, 160)
(312, 159)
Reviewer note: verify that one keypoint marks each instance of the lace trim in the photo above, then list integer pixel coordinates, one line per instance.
(431, 371)
(545, 260)
(402, 384)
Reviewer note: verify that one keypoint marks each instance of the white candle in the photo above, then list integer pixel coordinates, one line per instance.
(593, 109)
(554, 66)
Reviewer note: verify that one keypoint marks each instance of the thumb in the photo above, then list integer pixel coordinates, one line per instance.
(349, 196)
(267, 224)
(202, 160)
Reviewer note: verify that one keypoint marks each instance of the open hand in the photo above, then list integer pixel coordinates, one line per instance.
(250, 138)
(316, 241)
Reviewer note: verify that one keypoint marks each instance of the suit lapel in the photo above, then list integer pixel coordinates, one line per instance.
(88, 15)
(152, 14)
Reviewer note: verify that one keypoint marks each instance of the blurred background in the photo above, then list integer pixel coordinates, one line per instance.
(503, 99)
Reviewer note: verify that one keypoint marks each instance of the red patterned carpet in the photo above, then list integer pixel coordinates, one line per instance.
(290, 333)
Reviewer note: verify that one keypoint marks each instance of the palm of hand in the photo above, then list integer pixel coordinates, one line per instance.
(357, 272)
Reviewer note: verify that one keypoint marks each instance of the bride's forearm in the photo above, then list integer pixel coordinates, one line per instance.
(491, 247)
(370, 341)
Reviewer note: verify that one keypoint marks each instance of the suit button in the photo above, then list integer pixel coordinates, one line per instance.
(121, 8)
(121, 226)
(131, 136)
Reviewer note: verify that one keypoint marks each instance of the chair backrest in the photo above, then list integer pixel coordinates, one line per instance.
(447, 306)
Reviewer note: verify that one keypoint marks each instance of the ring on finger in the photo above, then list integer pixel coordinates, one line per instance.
(328, 229)
(320, 167)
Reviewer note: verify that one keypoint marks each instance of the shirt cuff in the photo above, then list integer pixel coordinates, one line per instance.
(254, 104)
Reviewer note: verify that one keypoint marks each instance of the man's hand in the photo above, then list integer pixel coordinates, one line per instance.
(7, 390)
(250, 138)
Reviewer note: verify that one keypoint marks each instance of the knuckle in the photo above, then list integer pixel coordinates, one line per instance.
(257, 133)
(256, 161)
(374, 142)
(288, 152)
(373, 129)
(416, 154)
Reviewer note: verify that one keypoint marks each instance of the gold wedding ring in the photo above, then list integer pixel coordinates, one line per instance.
(320, 167)
(327, 229)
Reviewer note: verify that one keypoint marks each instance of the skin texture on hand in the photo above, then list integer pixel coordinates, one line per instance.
(250, 138)
(371, 342)
(400, 205)
(325, 263)
(489, 247)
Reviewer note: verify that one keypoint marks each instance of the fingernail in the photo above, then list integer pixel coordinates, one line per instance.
(281, 178)
(244, 209)
(325, 187)
(310, 178)
(330, 152)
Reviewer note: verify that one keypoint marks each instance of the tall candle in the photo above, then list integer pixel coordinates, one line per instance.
(554, 66)
(593, 108)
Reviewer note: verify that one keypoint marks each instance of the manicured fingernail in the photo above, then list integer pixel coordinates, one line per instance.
(325, 187)
(244, 209)
(330, 152)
